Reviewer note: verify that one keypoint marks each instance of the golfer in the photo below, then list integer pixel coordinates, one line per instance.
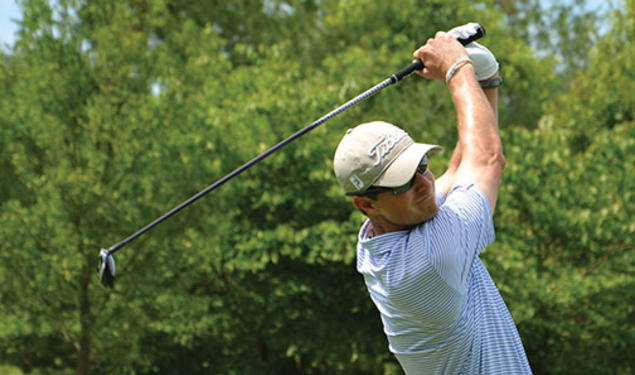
(419, 248)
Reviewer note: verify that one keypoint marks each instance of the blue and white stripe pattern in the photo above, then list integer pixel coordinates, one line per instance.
(442, 313)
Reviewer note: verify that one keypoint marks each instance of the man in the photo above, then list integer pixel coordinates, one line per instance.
(418, 250)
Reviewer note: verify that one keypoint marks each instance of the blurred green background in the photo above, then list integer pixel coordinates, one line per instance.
(113, 112)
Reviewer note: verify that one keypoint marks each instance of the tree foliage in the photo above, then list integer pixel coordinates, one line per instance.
(567, 225)
(114, 112)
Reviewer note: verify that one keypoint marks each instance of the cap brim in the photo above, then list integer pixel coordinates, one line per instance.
(403, 168)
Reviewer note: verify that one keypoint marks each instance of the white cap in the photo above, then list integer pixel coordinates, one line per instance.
(377, 153)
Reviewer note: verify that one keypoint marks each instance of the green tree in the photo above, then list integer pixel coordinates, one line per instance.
(114, 112)
(564, 30)
(81, 125)
(564, 254)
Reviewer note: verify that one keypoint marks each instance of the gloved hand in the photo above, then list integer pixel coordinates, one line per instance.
(484, 62)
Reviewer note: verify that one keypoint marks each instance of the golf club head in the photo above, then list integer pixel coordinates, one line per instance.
(106, 268)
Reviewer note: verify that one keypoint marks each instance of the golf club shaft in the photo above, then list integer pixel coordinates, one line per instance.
(416, 65)
(373, 90)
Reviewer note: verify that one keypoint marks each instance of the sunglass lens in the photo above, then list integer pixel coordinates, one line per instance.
(423, 165)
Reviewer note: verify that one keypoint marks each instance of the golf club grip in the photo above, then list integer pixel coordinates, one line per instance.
(418, 65)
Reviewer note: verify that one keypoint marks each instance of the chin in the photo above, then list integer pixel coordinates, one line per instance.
(431, 213)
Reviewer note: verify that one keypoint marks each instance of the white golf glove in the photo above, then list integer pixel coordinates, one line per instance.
(484, 62)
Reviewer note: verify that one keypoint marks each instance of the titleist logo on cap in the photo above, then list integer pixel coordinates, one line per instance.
(355, 180)
(384, 145)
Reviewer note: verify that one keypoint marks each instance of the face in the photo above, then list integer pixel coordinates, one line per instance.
(390, 212)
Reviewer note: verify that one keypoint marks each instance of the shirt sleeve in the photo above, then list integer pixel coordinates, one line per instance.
(462, 228)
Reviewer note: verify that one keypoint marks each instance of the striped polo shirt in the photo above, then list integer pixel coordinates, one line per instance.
(442, 313)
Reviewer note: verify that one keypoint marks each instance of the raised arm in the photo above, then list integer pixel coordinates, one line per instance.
(445, 182)
(479, 156)
(482, 159)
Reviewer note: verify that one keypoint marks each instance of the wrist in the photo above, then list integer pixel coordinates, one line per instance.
(462, 76)
(491, 83)
(457, 66)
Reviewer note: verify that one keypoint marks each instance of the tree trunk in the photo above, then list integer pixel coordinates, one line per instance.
(83, 357)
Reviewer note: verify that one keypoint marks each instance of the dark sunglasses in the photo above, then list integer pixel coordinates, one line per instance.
(421, 168)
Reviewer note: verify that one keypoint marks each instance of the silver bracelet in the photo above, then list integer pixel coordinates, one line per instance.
(455, 67)
(491, 83)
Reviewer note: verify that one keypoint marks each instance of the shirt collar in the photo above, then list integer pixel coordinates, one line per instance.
(377, 245)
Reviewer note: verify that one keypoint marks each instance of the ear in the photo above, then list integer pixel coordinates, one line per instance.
(365, 204)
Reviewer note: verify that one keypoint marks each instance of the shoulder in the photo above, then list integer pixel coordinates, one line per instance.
(467, 200)
(458, 233)
(464, 217)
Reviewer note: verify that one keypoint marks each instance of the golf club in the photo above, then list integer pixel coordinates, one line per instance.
(106, 267)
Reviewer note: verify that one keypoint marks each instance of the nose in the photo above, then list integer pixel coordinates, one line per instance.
(422, 182)
(419, 180)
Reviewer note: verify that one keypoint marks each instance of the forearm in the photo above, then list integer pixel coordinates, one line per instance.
(447, 180)
(479, 141)
(492, 98)
(455, 161)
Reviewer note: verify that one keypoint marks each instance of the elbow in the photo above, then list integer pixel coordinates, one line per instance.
(485, 154)
(500, 159)
(493, 158)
